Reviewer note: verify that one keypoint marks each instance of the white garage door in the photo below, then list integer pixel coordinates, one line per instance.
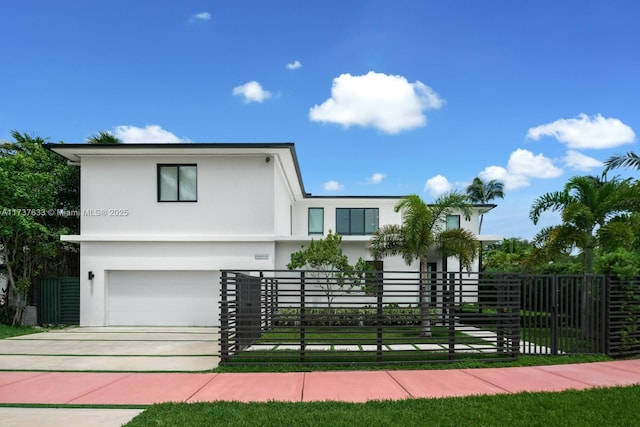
(163, 298)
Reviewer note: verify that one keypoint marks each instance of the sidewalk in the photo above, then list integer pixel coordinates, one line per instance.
(59, 388)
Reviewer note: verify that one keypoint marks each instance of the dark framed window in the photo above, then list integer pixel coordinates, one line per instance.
(316, 221)
(453, 222)
(356, 221)
(177, 183)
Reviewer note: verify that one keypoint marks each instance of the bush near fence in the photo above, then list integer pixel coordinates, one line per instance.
(392, 315)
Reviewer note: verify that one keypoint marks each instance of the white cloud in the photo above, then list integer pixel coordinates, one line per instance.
(586, 132)
(438, 185)
(294, 65)
(579, 161)
(152, 134)
(376, 178)
(332, 186)
(524, 162)
(522, 166)
(252, 92)
(202, 16)
(386, 102)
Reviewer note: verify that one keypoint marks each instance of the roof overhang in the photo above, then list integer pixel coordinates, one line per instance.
(284, 152)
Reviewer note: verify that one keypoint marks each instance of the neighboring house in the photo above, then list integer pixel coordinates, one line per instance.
(159, 222)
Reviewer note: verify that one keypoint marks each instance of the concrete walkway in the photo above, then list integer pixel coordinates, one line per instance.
(101, 388)
(127, 349)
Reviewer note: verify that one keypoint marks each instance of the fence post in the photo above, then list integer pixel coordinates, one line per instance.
(303, 319)
(224, 319)
(554, 315)
(448, 304)
(264, 303)
(605, 309)
(379, 317)
(500, 303)
(516, 292)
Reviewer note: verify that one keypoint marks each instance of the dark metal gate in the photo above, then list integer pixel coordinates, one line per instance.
(248, 310)
(59, 301)
(563, 314)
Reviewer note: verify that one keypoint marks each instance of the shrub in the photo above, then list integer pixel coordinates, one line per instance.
(7, 313)
(392, 315)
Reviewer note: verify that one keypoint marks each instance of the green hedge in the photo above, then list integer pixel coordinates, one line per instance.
(366, 316)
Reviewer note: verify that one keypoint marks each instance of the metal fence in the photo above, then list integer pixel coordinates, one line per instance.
(58, 300)
(394, 317)
(623, 317)
(563, 314)
(311, 317)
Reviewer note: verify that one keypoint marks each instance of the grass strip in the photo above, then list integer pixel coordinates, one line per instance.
(469, 363)
(7, 331)
(595, 407)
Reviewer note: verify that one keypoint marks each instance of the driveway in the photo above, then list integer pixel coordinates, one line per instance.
(113, 349)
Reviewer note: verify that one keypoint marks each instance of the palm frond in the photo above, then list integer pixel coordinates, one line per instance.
(549, 201)
(628, 160)
(460, 243)
(386, 241)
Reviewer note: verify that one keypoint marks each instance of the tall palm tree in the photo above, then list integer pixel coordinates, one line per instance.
(629, 160)
(423, 229)
(586, 204)
(480, 191)
(104, 137)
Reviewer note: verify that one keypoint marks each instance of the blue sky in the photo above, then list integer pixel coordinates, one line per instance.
(380, 97)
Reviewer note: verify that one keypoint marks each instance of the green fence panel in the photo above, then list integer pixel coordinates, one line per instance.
(59, 301)
(70, 300)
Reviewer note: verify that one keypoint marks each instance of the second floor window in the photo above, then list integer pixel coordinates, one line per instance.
(453, 222)
(177, 183)
(356, 221)
(316, 220)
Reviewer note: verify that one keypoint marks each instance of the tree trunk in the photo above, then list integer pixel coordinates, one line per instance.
(19, 303)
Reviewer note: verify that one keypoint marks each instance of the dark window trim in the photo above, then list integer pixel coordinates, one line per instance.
(315, 233)
(364, 216)
(454, 216)
(178, 165)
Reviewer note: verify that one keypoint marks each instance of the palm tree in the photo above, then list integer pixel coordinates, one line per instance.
(629, 160)
(483, 192)
(585, 204)
(423, 229)
(104, 137)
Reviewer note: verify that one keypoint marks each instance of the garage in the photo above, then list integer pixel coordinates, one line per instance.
(162, 298)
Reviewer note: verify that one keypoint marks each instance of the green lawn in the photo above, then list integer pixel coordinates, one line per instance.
(15, 331)
(595, 407)
(329, 339)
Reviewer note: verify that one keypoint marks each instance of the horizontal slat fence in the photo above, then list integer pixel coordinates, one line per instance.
(623, 333)
(310, 317)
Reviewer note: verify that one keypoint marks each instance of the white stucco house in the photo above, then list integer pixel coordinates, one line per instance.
(158, 223)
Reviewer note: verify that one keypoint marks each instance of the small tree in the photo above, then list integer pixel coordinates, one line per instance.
(424, 229)
(35, 186)
(329, 266)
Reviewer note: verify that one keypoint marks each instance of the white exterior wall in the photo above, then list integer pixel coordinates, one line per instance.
(102, 257)
(282, 202)
(386, 212)
(235, 197)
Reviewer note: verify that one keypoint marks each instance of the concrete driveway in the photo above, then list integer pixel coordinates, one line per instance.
(113, 349)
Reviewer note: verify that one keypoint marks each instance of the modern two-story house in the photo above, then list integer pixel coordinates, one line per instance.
(160, 221)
